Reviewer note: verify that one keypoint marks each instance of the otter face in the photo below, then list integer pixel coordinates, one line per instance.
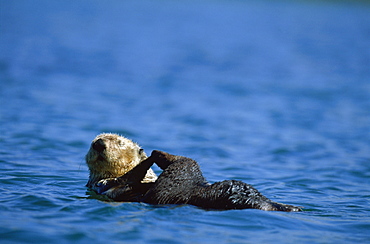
(111, 156)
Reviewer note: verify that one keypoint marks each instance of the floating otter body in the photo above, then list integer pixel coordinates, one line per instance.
(182, 182)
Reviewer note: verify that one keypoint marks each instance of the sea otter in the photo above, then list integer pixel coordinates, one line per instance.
(181, 182)
(111, 156)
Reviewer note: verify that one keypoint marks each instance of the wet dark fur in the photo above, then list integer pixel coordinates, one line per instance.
(182, 182)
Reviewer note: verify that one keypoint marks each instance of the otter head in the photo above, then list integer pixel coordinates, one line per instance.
(111, 156)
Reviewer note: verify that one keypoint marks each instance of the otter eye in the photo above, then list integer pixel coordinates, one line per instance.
(141, 151)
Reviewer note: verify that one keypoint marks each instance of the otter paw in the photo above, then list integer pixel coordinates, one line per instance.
(162, 159)
(105, 184)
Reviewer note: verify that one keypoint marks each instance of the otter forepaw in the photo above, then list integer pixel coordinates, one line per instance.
(162, 159)
(105, 184)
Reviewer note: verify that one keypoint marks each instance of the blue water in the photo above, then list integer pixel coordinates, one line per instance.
(273, 93)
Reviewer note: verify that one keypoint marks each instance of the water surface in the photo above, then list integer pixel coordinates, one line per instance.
(273, 93)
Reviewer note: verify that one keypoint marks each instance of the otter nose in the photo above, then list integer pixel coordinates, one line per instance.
(99, 145)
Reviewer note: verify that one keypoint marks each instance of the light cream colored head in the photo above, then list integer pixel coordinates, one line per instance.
(111, 156)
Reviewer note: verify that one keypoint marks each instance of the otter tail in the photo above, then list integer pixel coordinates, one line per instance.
(232, 194)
